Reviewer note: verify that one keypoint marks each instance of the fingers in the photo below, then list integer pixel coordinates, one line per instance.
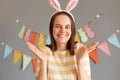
(92, 45)
(32, 47)
(28, 44)
(35, 50)
(82, 50)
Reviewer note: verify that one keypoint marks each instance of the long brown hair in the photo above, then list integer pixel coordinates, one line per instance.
(70, 44)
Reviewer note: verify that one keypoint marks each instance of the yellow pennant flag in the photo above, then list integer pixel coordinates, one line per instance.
(41, 40)
(17, 56)
(76, 39)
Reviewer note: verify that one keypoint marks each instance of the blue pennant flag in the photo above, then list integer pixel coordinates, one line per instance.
(7, 51)
(114, 40)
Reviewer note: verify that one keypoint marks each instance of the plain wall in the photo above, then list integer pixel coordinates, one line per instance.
(36, 14)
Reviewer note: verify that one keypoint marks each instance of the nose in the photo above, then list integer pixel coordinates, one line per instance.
(62, 29)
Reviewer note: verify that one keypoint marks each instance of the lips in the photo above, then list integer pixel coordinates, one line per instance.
(62, 35)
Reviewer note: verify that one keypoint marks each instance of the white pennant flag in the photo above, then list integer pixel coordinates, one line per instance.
(26, 61)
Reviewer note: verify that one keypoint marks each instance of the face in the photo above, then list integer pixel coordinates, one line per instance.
(62, 29)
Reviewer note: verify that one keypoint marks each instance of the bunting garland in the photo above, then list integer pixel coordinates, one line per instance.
(103, 46)
(17, 55)
(83, 35)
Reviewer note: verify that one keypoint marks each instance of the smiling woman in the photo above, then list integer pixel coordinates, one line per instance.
(63, 59)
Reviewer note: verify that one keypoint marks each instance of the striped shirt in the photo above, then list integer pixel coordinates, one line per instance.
(62, 65)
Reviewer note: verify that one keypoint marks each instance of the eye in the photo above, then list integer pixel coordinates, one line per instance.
(68, 27)
(57, 26)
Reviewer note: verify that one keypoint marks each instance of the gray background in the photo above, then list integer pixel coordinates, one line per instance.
(36, 14)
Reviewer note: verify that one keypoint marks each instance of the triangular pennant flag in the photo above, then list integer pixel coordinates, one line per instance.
(17, 56)
(7, 51)
(41, 40)
(37, 66)
(113, 40)
(34, 62)
(26, 61)
(93, 55)
(21, 32)
(104, 47)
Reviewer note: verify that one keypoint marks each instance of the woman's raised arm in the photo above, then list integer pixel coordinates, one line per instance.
(42, 75)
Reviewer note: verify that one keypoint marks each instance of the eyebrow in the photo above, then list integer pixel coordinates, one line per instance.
(56, 24)
(59, 24)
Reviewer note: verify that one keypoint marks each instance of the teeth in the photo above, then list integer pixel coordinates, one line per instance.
(61, 35)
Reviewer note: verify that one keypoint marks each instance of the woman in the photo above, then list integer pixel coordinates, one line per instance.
(64, 59)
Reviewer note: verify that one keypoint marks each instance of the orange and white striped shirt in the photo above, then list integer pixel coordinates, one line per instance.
(62, 65)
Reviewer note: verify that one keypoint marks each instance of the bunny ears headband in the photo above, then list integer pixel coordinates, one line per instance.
(70, 6)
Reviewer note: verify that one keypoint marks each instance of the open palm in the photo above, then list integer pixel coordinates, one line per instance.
(40, 53)
(84, 50)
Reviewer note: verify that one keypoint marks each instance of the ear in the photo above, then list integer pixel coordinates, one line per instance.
(55, 4)
(71, 4)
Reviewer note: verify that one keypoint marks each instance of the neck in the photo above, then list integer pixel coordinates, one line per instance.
(61, 47)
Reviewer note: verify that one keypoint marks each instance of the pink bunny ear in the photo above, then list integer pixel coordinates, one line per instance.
(55, 4)
(71, 4)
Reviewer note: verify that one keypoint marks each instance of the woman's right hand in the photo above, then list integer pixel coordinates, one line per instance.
(40, 53)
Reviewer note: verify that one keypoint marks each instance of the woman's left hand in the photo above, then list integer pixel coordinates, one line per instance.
(84, 50)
